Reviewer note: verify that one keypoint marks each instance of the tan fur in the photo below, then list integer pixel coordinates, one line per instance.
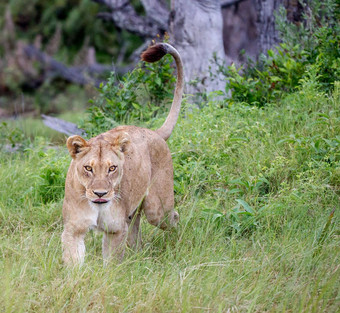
(131, 169)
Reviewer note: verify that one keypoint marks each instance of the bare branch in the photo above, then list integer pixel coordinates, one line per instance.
(124, 16)
(229, 3)
(82, 75)
(54, 67)
(62, 126)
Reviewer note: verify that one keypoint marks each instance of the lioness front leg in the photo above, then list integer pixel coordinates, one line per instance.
(73, 245)
(112, 222)
(78, 219)
(134, 235)
(114, 243)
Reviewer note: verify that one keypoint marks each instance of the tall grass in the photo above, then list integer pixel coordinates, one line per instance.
(254, 188)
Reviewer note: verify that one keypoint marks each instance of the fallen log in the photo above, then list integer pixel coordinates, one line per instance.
(62, 126)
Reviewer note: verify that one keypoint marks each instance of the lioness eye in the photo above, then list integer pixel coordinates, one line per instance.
(88, 168)
(112, 168)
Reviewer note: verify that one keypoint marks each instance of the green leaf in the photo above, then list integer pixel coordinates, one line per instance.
(136, 106)
(246, 206)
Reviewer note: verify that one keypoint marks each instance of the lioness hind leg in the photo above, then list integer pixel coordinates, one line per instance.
(159, 210)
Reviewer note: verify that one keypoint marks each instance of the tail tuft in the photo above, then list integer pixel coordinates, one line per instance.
(154, 53)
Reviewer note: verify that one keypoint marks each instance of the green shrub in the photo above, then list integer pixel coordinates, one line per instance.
(318, 36)
(311, 45)
(77, 21)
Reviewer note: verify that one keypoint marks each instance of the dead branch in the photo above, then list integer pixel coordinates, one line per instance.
(52, 67)
(229, 3)
(62, 126)
(81, 75)
(125, 16)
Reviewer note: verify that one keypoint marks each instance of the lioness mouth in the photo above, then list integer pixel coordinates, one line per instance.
(100, 201)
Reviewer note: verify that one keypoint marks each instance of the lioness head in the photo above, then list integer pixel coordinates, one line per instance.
(99, 165)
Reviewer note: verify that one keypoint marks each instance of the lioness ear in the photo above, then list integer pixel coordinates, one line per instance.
(75, 145)
(122, 141)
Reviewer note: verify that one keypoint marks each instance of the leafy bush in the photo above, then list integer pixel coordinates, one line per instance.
(269, 78)
(120, 100)
(318, 36)
(312, 45)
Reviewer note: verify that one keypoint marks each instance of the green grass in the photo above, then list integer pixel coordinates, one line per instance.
(254, 189)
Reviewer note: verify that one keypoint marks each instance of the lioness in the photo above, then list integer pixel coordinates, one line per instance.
(115, 176)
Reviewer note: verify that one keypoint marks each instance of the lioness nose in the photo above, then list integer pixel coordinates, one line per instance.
(100, 193)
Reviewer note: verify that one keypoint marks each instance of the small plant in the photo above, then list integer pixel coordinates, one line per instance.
(241, 218)
(12, 136)
(52, 175)
(258, 185)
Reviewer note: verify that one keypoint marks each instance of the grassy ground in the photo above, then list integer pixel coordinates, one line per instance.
(254, 188)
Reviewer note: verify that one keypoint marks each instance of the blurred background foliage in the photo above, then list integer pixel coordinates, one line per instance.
(72, 24)
(67, 31)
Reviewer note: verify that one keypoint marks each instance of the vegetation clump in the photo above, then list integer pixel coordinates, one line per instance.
(309, 46)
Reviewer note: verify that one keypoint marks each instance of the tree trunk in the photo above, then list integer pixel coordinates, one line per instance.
(239, 30)
(266, 23)
(196, 31)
